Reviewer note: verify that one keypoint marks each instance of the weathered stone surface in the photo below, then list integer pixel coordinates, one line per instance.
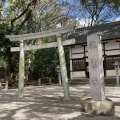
(43, 46)
(63, 68)
(43, 34)
(105, 107)
(95, 60)
(21, 70)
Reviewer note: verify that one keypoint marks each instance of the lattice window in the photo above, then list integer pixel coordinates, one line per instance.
(78, 65)
(110, 61)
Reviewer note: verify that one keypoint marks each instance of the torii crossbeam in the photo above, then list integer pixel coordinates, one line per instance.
(55, 32)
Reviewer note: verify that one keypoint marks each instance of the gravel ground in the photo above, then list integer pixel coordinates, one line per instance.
(46, 103)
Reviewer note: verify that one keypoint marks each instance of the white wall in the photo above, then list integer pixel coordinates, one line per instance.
(78, 74)
(77, 55)
(112, 45)
(108, 46)
(79, 49)
(111, 72)
(72, 51)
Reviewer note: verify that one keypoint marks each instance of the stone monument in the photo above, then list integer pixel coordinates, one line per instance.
(96, 67)
(97, 104)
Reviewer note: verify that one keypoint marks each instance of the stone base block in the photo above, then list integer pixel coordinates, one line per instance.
(105, 107)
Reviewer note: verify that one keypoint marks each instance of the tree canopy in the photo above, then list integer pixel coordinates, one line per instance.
(100, 11)
(29, 16)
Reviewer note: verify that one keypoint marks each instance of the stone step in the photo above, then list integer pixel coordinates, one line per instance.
(108, 81)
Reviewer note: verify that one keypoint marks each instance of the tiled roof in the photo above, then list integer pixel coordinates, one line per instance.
(108, 31)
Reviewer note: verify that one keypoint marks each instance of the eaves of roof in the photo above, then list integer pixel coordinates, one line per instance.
(108, 31)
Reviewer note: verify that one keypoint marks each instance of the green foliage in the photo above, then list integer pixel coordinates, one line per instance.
(30, 16)
(44, 60)
(34, 16)
(4, 45)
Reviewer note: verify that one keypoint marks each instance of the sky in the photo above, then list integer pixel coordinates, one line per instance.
(76, 12)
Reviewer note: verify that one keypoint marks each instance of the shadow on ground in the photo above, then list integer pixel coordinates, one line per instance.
(46, 103)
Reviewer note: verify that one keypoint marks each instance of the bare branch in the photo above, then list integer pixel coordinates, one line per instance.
(24, 12)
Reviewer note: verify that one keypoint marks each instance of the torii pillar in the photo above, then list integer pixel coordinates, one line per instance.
(63, 68)
(21, 70)
(55, 32)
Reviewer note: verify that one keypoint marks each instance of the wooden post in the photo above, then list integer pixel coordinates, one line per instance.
(6, 85)
(117, 76)
(63, 68)
(50, 81)
(39, 82)
(59, 78)
(71, 69)
(21, 70)
(116, 64)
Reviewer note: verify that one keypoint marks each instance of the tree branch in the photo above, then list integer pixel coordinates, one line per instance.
(24, 12)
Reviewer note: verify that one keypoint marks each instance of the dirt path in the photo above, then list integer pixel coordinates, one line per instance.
(45, 103)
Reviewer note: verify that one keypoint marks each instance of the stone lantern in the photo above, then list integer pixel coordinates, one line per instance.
(59, 74)
(116, 65)
(29, 62)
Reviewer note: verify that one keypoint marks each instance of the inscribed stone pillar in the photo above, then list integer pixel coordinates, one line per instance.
(71, 69)
(63, 68)
(117, 75)
(96, 67)
(21, 70)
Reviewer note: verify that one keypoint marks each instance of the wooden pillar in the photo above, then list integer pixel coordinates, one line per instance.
(71, 69)
(104, 65)
(21, 70)
(85, 65)
(39, 82)
(6, 85)
(63, 68)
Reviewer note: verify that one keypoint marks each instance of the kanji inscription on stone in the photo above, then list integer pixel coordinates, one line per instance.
(93, 62)
(95, 67)
(92, 45)
(94, 81)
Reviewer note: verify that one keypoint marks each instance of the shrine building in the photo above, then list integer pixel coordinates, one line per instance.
(110, 36)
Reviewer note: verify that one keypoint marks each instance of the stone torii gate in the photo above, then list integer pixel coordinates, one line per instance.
(55, 32)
